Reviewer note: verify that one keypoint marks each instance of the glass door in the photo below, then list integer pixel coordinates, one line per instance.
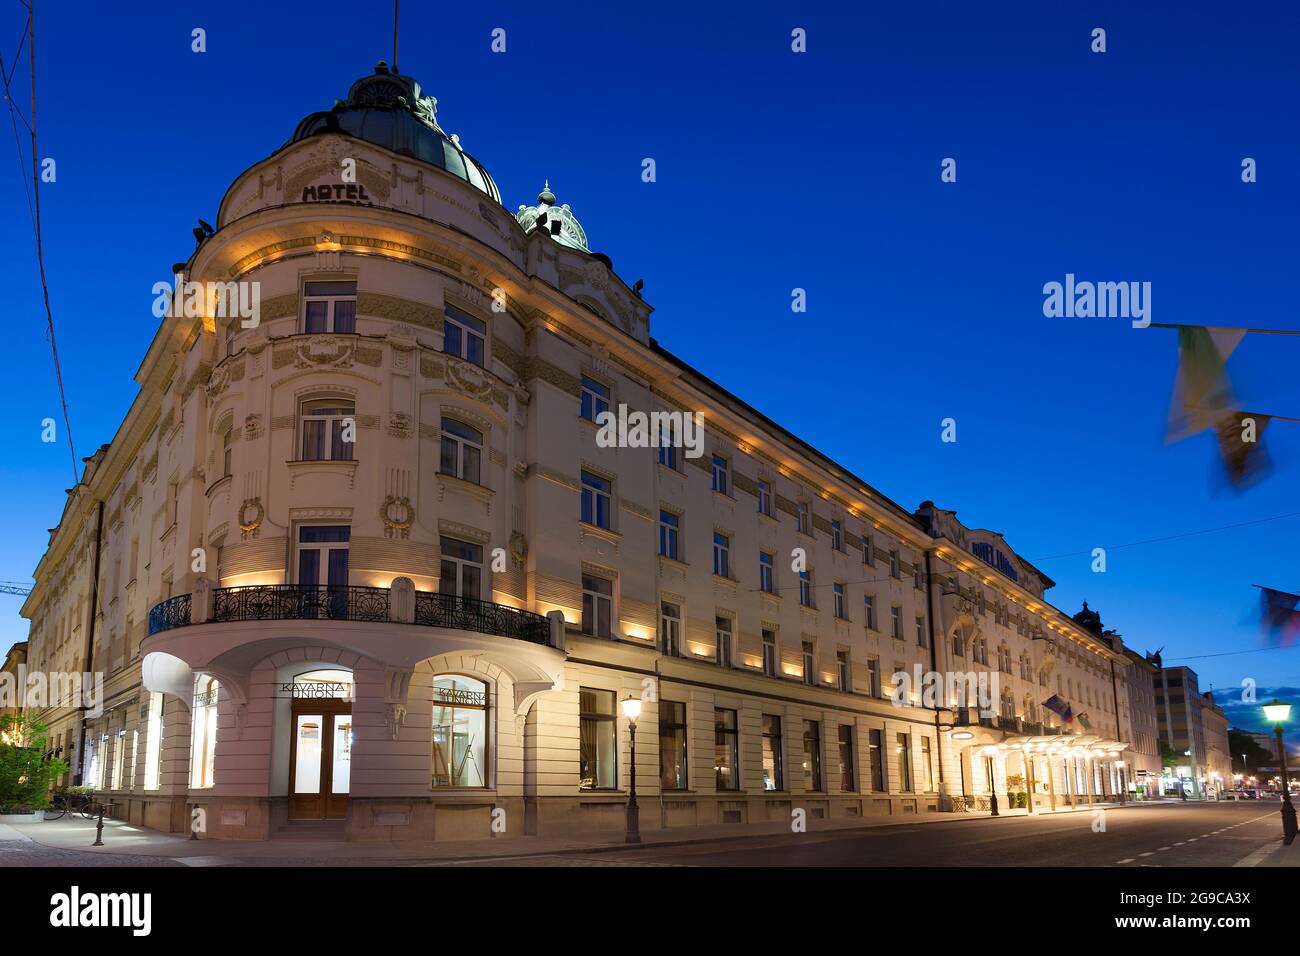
(320, 759)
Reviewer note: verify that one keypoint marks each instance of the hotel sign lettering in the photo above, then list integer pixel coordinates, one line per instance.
(337, 192)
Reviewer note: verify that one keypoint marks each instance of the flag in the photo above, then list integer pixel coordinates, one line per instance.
(1084, 722)
(1244, 457)
(1059, 707)
(1280, 615)
(1202, 391)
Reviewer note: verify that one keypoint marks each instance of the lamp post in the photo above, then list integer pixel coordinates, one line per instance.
(632, 710)
(1278, 713)
(993, 792)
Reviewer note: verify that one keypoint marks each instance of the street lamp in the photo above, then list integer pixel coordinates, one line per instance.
(1279, 713)
(632, 710)
(993, 794)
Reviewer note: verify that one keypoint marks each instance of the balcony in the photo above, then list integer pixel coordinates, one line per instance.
(294, 602)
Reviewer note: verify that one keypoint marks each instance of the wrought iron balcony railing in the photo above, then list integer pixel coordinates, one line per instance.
(295, 602)
(469, 614)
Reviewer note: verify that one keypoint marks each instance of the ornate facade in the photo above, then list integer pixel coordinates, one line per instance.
(368, 566)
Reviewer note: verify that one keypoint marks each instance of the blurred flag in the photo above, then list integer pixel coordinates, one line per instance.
(1202, 391)
(1084, 722)
(1244, 456)
(1281, 615)
(1059, 707)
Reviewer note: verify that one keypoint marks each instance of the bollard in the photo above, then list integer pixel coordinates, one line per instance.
(99, 828)
(194, 835)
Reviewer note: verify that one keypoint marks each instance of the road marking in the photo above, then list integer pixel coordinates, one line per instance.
(1258, 856)
(1127, 859)
(204, 860)
(1192, 839)
(1180, 843)
(1146, 854)
(1164, 848)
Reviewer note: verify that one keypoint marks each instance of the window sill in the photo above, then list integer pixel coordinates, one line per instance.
(599, 532)
(725, 579)
(451, 482)
(673, 562)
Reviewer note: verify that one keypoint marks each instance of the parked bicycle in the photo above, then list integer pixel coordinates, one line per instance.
(65, 803)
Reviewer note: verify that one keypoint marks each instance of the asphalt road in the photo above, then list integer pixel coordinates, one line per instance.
(1174, 835)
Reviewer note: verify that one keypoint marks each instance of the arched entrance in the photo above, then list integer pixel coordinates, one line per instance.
(320, 745)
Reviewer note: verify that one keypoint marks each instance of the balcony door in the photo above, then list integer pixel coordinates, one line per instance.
(320, 748)
(323, 568)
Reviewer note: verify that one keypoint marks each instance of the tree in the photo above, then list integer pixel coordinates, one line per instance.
(1240, 742)
(25, 772)
(1169, 757)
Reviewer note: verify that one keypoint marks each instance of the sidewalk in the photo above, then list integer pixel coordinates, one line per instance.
(121, 838)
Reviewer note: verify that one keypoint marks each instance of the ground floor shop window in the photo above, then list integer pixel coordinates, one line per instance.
(598, 735)
(460, 729)
(203, 734)
(672, 745)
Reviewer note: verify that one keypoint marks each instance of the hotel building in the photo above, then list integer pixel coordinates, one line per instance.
(368, 567)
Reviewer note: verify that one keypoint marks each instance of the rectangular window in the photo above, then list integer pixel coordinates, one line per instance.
(461, 451)
(921, 637)
(323, 556)
(837, 534)
(597, 605)
(721, 475)
(918, 576)
(875, 750)
(722, 636)
(328, 428)
(805, 588)
(598, 734)
(809, 663)
(119, 758)
(721, 555)
(463, 335)
(227, 450)
(812, 755)
(873, 676)
(843, 673)
(769, 653)
(595, 399)
(893, 563)
(765, 576)
(329, 307)
(868, 550)
(896, 622)
(903, 749)
(764, 498)
(668, 447)
(838, 589)
(670, 628)
(725, 749)
(672, 745)
(927, 764)
(461, 572)
(869, 606)
(773, 773)
(669, 526)
(848, 781)
(596, 498)
(802, 521)
(153, 741)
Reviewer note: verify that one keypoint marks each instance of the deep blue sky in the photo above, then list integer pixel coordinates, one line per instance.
(776, 171)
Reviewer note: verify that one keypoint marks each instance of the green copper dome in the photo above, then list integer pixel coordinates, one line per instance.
(390, 110)
(558, 221)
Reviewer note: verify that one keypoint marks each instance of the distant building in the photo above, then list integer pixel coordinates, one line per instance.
(1218, 755)
(1145, 739)
(1178, 709)
(11, 686)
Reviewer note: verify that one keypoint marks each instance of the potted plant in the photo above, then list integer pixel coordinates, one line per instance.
(25, 773)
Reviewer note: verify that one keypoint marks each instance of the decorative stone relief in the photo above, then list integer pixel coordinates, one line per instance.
(251, 515)
(398, 516)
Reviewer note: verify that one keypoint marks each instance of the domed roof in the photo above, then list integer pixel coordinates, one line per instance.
(389, 110)
(558, 221)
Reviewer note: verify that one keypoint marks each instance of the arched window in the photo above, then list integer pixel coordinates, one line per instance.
(460, 731)
(203, 733)
(462, 451)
